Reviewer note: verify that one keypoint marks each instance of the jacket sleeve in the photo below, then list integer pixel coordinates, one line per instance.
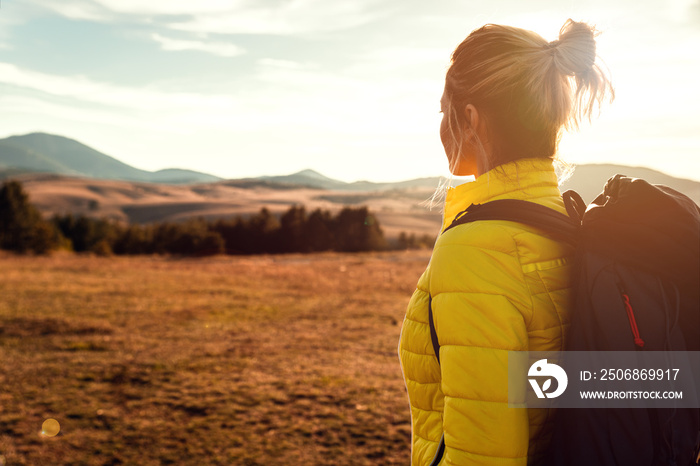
(481, 306)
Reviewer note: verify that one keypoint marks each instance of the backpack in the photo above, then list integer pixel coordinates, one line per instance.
(636, 286)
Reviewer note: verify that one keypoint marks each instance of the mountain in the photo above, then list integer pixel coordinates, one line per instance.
(181, 176)
(306, 178)
(48, 153)
(588, 180)
(58, 155)
(313, 179)
(19, 157)
(400, 207)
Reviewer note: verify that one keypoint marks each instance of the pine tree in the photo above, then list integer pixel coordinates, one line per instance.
(358, 230)
(22, 228)
(291, 232)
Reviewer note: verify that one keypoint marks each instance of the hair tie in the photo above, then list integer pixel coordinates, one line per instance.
(551, 47)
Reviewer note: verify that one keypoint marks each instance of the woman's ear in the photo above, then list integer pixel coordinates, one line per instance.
(475, 125)
(471, 121)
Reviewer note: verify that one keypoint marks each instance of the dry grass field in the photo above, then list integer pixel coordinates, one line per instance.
(226, 360)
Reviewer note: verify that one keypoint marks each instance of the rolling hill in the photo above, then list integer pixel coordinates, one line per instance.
(48, 153)
(588, 180)
(65, 176)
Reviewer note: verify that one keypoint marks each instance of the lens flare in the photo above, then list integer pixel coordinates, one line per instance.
(50, 428)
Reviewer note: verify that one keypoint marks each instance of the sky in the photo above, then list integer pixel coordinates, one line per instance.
(349, 88)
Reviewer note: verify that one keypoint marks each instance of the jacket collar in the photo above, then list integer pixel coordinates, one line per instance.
(527, 179)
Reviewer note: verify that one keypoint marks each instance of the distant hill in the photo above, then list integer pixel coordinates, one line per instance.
(306, 178)
(51, 154)
(313, 179)
(588, 180)
(400, 207)
(180, 176)
(14, 155)
(48, 153)
(62, 175)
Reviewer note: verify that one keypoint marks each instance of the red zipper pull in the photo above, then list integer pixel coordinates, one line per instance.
(633, 322)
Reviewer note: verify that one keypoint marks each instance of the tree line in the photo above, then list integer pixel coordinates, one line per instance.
(23, 229)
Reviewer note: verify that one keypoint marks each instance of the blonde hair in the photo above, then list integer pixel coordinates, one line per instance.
(526, 89)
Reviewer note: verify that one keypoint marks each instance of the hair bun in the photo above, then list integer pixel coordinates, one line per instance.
(575, 49)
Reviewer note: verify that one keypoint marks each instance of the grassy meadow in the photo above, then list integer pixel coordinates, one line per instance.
(223, 360)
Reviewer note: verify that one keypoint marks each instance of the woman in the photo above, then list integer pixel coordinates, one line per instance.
(496, 286)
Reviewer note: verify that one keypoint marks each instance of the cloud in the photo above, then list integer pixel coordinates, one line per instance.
(410, 55)
(291, 96)
(695, 12)
(285, 64)
(77, 9)
(171, 7)
(86, 90)
(289, 18)
(223, 49)
(280, 17)
(394, 61)
(682, 11)
(38, 109)
(107, 10)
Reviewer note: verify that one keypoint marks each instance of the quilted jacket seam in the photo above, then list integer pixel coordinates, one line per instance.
(487, 456)
(417, 354)
(480, 347)
(470, 292)
(518, 257)
(546, 328)
(550, 291)
(476, 399)
(474, 246)
(555, 307)
(416, 321)
(440, 411)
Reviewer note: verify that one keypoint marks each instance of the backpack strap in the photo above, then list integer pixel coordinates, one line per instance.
(433, 333)
(555, 223)
(436, 348)
(575, 205)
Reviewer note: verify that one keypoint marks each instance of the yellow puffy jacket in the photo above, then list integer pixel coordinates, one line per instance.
(496, 286)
